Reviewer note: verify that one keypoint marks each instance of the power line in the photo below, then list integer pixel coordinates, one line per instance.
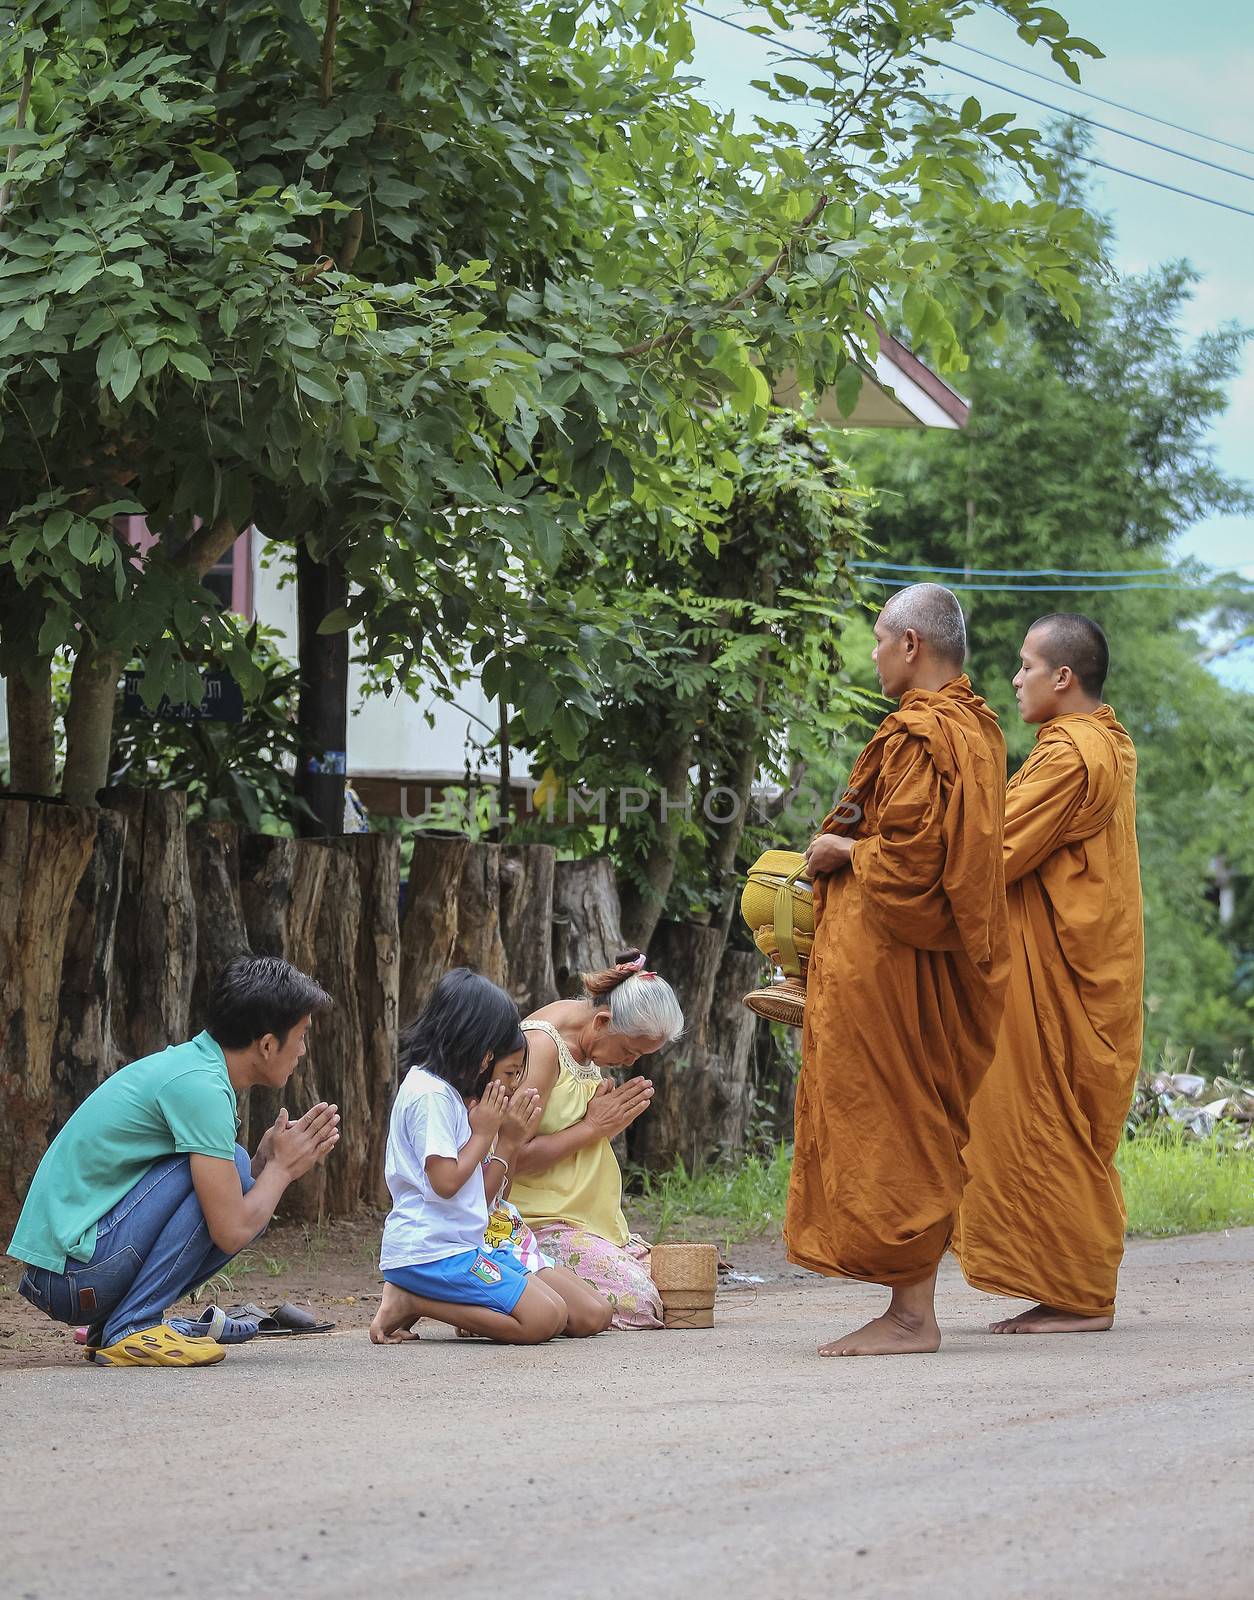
(1117, 105)
(1092, 161)
(1106, 127)
(1022, 572)
(1241, 211)
(885, 580)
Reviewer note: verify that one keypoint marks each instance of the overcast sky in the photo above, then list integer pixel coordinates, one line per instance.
(1193, 65)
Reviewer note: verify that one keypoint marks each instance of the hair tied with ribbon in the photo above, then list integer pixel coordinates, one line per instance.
(636, 967)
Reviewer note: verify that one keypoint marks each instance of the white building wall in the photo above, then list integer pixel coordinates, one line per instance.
(385, 733)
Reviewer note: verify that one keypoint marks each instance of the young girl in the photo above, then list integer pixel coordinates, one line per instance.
(459, 1119)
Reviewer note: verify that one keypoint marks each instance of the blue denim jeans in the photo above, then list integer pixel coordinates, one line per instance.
(151, 1249)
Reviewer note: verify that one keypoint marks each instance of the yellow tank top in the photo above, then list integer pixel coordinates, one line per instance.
(584, 1189)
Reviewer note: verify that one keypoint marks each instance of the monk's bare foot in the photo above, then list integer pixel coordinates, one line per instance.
(394, 1320)
(889, 1335)
(1044, 1319)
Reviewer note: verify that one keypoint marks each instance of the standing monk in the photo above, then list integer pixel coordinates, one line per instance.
(1042, 1217)
(906, 980)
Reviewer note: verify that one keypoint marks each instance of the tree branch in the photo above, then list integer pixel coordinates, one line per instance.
(23, 104)
(207, 545)
(749, 292)
(328, 51)
(352, 240)
(415, 11)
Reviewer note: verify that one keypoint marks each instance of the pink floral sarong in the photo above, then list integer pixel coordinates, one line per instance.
(618, 1271)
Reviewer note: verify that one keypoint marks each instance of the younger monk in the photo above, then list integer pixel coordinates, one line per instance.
(1042, 1217)
(906, 980)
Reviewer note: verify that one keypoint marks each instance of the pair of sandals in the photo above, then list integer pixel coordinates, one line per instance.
(248, 1321)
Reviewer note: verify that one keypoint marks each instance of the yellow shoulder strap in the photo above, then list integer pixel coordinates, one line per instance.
(785, 936)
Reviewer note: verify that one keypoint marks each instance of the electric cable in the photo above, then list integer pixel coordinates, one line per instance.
(1092, 161)
(1117, 105)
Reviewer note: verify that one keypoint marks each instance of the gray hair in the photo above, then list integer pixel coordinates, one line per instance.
(934, 614)
(640, 1003)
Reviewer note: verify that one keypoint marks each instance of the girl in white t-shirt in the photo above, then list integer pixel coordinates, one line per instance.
(458, 1120)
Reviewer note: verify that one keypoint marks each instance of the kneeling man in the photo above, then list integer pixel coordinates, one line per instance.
(144, 1194)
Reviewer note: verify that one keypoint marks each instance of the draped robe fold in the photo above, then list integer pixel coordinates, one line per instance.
(904, 993)
(1042, 1217)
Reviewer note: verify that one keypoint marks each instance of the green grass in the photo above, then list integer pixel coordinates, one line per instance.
(1172, 1184)
(730, 1203)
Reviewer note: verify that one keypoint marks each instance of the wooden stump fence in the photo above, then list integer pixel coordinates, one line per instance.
(113, 924)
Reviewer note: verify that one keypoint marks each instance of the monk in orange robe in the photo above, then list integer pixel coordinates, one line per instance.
(1042, 1217)
(906, 980)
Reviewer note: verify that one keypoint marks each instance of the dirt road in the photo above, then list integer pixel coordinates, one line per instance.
(725, 1463)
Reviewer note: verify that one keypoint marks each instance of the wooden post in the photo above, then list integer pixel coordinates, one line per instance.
(85, 1052)
(44, 851)
(527, 877)
(479, 914)
(376, 978)
(282, 882)
(430, 921)
(155, 948)
(587, 936)
(213, 850)
(704, 1084)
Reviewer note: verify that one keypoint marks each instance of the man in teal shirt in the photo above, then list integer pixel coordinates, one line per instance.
(144, 1193)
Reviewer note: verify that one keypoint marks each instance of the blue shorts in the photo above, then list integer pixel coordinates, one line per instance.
(491, 1278)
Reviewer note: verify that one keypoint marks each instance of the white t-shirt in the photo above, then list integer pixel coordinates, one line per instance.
(428, 1119)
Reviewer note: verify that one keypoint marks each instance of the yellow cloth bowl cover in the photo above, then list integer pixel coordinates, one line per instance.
(767, 942)
(757, 903)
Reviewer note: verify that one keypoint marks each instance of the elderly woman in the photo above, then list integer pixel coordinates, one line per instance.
(566, 1180)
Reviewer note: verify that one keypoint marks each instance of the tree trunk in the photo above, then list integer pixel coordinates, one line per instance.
(643, 907)
(688, 956)
(32, 748)
(281, 888)
(478, 942)
(730, 829)
(776, 1067)
(89, 723)
(706, 1083)
(333, 1068)
(85, 1052)
(321, 588)
(587, 936)
(377, 976)
(527, 875)
(155, 949)
(352, 1051)
(213, 850)
(430, 921)
(44, 851)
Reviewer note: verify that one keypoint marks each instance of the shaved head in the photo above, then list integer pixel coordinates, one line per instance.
(1066, 639)
(934, 614)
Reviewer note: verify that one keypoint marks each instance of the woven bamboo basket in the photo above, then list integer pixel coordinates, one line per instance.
(687, 1278)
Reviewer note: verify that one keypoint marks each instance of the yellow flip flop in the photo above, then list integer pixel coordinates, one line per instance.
(161, 1346)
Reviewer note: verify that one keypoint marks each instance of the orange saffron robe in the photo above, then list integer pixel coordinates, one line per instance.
(904, 994)
(1043, 1216)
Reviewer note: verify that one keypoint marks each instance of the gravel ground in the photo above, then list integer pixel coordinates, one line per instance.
(728, 1462)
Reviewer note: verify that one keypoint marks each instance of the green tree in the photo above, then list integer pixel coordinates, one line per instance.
(416, 287)
(736, 568)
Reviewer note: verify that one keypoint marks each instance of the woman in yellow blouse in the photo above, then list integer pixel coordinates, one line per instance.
(566, 1181)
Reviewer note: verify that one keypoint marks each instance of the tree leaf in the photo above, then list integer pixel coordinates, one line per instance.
(125, 374)
(191, 366)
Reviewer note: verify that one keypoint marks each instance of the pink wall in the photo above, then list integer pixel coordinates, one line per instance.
(240, 559)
